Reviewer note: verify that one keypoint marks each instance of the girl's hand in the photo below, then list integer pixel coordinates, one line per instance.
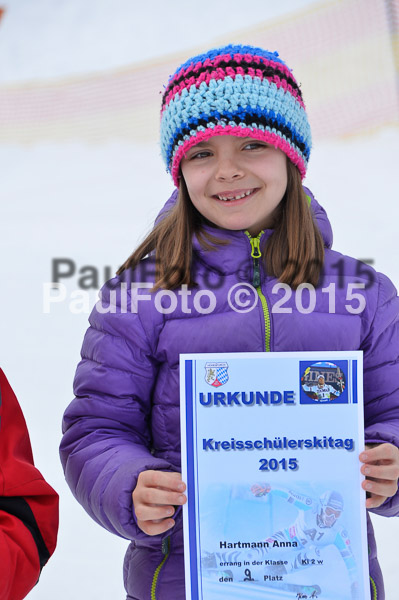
(381, 467)
(154, 500)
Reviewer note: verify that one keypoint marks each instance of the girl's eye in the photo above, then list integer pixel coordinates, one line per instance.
(254, 146)
(202, 154)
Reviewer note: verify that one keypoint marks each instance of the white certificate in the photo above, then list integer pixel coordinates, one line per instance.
(270, 454)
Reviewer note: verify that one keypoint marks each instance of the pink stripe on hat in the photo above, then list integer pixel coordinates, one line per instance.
(265, 136)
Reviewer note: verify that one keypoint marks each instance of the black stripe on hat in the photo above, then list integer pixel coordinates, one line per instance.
(267, 72)
(249, 118)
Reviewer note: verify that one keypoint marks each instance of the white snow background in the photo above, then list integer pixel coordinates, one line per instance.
(92, 203)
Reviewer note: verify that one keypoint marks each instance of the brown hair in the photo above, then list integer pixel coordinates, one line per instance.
(294, 253)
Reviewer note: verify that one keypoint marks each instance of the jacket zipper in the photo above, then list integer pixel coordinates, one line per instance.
(256, 255)
(374, 588)
(166, 553)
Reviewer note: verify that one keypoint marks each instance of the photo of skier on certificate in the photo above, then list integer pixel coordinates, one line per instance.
(322, 391)
(295, 547)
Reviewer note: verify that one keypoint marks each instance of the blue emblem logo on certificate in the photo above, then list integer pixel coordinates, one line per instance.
(270, 447)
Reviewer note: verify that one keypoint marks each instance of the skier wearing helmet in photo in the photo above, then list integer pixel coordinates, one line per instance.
(315, 527)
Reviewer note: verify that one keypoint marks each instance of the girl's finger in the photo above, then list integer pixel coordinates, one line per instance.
(153, 496)
(389, 472)
(155, 527)
(162, 479)
(380, 487)
(375, 501)
(382, 452)
(153, 513)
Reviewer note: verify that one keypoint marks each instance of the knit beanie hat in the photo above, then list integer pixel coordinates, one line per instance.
(234, 90)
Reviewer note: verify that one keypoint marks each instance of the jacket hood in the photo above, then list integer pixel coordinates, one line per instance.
(321, 218)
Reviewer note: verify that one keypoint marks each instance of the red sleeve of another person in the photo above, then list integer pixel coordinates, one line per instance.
(28, 505)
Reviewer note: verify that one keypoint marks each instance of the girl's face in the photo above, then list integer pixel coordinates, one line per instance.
(236, 182)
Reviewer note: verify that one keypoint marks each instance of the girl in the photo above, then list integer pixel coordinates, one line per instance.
(236, 139)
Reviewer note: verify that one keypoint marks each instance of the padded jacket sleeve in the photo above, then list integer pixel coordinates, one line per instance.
(381, 377)
(28, 505)
(107, 436)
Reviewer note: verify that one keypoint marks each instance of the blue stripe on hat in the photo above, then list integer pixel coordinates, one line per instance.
(230, 49)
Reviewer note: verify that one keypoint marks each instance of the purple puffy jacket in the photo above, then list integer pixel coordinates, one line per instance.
(125, 417)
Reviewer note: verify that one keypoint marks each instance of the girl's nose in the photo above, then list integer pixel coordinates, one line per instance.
(228, 168)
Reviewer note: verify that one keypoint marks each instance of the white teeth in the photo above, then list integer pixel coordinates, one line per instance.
(226, 198)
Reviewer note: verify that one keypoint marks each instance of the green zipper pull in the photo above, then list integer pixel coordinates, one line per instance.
(255, 244)
(165, 545)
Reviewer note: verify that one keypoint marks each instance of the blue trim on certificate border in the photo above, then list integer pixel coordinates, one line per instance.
(191, 477)
(354, 381)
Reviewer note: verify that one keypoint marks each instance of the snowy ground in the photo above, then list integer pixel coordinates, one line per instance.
(91, 204)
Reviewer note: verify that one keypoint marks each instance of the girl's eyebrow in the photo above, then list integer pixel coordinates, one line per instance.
(201, 144)
(195, 148)
(209, 142)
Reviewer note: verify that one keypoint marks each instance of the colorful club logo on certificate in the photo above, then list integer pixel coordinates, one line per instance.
(270, 446)
(216, 373)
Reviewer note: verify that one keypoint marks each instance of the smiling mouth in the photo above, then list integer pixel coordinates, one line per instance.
(236, 195)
